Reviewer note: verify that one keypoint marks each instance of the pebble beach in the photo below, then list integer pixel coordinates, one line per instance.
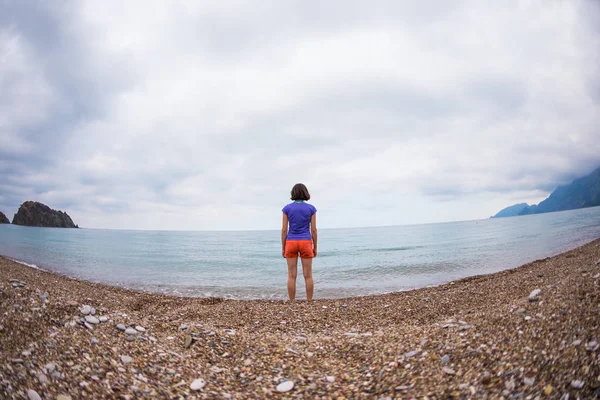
(527, 333)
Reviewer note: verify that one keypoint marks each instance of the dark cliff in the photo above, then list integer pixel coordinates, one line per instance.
(3, 219)
(581, 193)
(32, 213)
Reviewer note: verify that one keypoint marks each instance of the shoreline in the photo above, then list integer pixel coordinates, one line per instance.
(474, 337)
(174, 293)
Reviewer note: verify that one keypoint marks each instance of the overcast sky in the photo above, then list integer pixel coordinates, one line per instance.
(202, 115)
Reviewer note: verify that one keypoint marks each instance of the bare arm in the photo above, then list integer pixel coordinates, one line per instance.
(284, 231)
(313, 231)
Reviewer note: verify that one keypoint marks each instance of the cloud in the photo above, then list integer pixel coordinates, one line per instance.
(186, 115)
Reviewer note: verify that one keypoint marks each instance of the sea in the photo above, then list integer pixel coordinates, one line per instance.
(249, 265)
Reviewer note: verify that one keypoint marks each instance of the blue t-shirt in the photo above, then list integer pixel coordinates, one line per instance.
(299, 215)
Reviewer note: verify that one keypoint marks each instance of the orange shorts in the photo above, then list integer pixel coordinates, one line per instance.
(304, 247)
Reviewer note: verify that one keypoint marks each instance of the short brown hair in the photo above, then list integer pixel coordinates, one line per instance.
(300, 192)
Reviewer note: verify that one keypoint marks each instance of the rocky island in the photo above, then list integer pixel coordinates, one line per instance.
(33, 213)
(3, 219)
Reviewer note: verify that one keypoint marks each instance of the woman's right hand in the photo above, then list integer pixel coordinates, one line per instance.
(314, 252)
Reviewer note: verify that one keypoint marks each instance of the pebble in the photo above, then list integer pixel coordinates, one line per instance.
(130, 338)
(445, 359)
(402, 387)
(529, 381)
(103, 318)
(576, 342)
(330, 378)
(510, 385)
(95, 341)
(486, 378)
(33, 395)
(448, 371)
(183, 327)
(42, 378)
(533, 296)
(50, 367)
(198, 384)
(63, 397)
(130, 331)
(26, 353)
(92, 311)
(85, 309)
(57, 375)
(92, 320)
(591, 346)
(121, 327)
(410, 354)
(140, 329)
(152, 339)
(90, 327)
(188, 341)
(548, 390)
(576, 384)
(285, 386)
(126, 359)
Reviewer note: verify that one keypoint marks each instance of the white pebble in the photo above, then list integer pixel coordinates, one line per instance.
(140, 329)
(130, 331)
(576, 384)
(33, 395)
(529, 381)
(85, 309)
(198, 384)
(42, 378)
(126, 359)
(92, 320)
(285, 386)
(330, 379)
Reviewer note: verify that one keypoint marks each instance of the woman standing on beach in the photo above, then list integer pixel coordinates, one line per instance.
(300, 239)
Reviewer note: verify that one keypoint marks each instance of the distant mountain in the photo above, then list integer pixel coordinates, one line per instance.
(581, 193)
(511, 211)
(32, 213)
(3, 219)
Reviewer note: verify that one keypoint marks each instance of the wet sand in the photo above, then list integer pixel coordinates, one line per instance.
(479, 337)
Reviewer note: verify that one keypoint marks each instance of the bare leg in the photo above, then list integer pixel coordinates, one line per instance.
(307, 271)
(292, 273)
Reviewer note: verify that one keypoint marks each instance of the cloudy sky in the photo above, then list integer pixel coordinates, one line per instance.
(202, 115)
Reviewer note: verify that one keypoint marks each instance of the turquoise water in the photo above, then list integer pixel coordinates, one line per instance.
(351, 262)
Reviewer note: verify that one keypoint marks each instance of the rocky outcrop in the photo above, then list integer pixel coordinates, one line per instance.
(32, 213)
(3, 219)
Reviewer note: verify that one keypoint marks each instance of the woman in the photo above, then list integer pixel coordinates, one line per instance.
(300, 239)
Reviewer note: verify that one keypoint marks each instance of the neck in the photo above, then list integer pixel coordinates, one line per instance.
(299, 201)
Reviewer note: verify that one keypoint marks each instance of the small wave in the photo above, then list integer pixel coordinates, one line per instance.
(26, 264)
(403, 248)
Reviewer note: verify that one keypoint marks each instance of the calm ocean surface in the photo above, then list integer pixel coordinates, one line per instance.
(351, 262)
